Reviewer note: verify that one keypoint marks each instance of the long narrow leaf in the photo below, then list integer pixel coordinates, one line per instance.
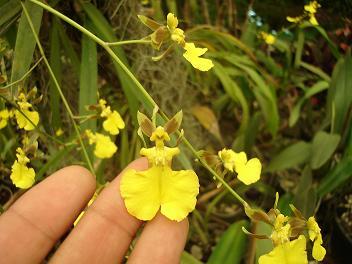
(55, 62)
(25, 42)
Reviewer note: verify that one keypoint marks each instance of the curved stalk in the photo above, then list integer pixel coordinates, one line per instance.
(63, 98)
(140, 87)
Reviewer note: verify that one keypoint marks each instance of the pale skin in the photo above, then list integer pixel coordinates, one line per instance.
(33, 224)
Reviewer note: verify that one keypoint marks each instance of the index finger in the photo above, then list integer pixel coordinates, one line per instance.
(105, 231)
(30, 227)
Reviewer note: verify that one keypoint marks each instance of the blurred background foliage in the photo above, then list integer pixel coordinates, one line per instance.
(288, 103)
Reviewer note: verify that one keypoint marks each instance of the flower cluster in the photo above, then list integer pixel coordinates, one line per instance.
(104, 146)
(171, 33)
(27, 119)
(288, 235)
(25, 116)
(159, 187)
(248, 171)
(309, 13)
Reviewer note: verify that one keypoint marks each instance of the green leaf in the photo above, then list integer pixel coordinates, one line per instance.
(55, 63)
(70, 51)
(105, 31)
(340, 93)
(187, 258)
(291, 156)
(25, 42)
(324, 145)
(232, 245)
(233, 90)
(316, 88)
(322, 31)
(299, 48)
(53, 161)
(335, 177)
(88, 81)
(319, 72)
(265, 96)
(9, 10)
(284, 204)
(305, 196)
(263, 246)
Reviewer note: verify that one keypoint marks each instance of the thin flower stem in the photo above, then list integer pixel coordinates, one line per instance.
(205, 165)
(23, 77)
(85, 153)
(140, 88)
(84, 116)
(126, 42)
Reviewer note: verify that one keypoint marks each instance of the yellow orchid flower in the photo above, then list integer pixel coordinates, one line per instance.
(292, 252)
(177, 34)
(59, 132)
(312, 7)
(4, 116)
(268, 38)
(171, 32)
(104, 147)
(309, 12)
(26, 119)
(22, 176)
(113, 122)
(315, 236)
(248, 171)
(159, 187)
(281, 232)
(193, 54)
(294, 19)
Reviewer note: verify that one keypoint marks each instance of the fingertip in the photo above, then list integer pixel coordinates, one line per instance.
(75, 175)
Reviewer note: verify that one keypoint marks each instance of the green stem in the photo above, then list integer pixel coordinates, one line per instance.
(126, 42)
(63, 98)
(140, 88)
(23, 77)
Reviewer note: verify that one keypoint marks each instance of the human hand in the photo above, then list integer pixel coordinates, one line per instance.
(30, 228)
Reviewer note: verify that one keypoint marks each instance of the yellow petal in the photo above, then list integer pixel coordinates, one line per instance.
(179, 192)
(22, 120)
(293, 19)
(293, 252)
(4, 116)
(318, 250)
(178, 36)
(313, 20)
(192, 55)
(313, 228)
(312, 7)
(104, 147)
(227, 157)
(172, 21)
(22, 176)
(240, 159)
(250, 172)
(141, 191)
(113, 123)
